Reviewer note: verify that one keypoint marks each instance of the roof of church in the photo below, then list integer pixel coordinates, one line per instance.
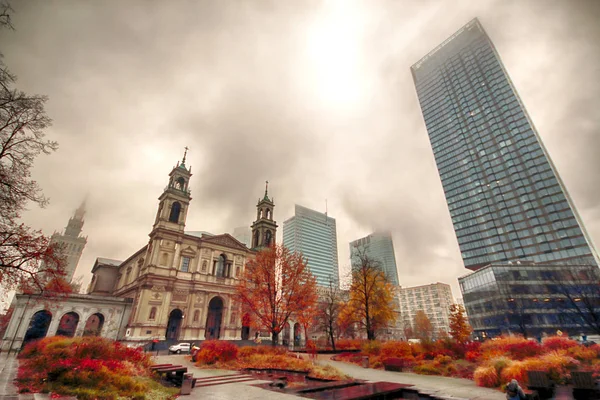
(108, 261)
(199, 233)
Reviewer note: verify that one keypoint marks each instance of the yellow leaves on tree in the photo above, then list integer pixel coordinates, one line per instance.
(275, 285)
(371, 302)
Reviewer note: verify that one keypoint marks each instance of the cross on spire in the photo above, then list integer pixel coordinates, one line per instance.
(266, 191)
(184, 155)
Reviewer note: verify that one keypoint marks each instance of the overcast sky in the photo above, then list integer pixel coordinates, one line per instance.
(316, 97)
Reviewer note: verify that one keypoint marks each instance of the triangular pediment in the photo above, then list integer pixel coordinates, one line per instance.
(226, 240)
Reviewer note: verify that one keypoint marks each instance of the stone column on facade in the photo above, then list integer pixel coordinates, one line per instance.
(204, 315)
(82, 321)
(176, 256)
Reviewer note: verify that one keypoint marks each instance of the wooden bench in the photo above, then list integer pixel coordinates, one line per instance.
(584, 386)
(541, 383)
(393, 364)
(158, 366)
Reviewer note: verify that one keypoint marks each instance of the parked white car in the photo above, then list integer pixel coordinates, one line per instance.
(180, 348)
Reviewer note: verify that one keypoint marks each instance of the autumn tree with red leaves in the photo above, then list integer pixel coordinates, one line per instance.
(27, 261)
(275, 285)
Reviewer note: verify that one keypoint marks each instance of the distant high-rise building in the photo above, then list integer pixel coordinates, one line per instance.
(71, 242)
(314, 235)
(508, 205)
(434, 299)
(379, 247)
(243, 234)
(506, 200)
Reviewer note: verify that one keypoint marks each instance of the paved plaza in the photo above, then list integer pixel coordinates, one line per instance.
(459, 388)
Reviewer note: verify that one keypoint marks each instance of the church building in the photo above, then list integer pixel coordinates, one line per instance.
(183, 283)
(178, 287)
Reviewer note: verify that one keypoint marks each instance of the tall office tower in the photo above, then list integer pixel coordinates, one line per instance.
(243, 234)
(506, 200)
(314, 235)
(514, 221)
(71, 242)
(379, 247)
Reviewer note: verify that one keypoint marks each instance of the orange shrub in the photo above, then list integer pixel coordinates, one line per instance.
(558, 365)
(583, 353)
(212, 351)
(559, 343)
(371, 348)
(516, 370)
(247, 351)
(486, 376)
(348, 344)
(396, 349)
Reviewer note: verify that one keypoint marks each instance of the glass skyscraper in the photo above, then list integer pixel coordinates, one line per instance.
(379, 247)
(506, 200)
(314, 235)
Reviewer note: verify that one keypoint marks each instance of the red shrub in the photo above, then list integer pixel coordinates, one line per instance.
(88, 367)
(514, 347)
(212, 351)
(559, 343)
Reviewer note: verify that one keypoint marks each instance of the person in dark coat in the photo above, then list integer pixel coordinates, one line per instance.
(514, 391)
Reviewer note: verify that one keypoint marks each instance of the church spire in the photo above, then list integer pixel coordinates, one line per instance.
(80, 212)
(184, 155)
(264, 229)
(75, 224)
(266, 191)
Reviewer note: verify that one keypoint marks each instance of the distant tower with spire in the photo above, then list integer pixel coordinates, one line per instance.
(71, 242)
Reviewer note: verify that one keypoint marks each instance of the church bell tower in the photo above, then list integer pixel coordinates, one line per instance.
(264, 229)
(175, 200)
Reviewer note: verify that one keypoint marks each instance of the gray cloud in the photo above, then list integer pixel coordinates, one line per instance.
(316, 97)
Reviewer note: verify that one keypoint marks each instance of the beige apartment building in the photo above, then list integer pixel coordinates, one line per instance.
(434, 299)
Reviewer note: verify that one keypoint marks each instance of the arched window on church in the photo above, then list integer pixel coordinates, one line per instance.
(180, 184)
(268, 213)
(196, 315)
(261, 213)
(268, 237)
(152, 313)
(256, 235)
(221, 265)
(175, 211)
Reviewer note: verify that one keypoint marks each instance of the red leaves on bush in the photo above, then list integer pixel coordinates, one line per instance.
(212, 351)
(559, 343)
(517, 348)
(65, 364)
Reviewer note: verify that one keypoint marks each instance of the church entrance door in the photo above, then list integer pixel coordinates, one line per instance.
(174, 325)
(213, 319)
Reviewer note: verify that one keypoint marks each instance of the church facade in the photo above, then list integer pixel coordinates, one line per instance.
(182, 285)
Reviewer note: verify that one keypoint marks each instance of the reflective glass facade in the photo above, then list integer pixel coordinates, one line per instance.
(504, 195)
(314, 235)
(379, 247)
(532, 299)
